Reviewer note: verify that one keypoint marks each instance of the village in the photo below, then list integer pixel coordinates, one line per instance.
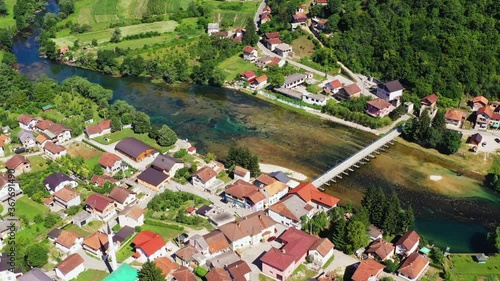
(252, 226)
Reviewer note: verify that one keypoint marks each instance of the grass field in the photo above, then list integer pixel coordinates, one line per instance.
(77, 229)
(166, 233)
(465, 268)
(8, 21)
(302, 46)
(38, 163)
(235, 65)
(91, 275)
(117, 136)
(29, 208)
(83, 150)
(103, 36)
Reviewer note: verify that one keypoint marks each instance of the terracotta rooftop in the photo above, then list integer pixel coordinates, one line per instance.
(25, 119)
(271, 35)
(379, 103)
(98, 202)
(238, 270)
(53, 148)
(430, 99)
(246, 226)
(454, 114)
(149, 242)
(413, 265)
(366, 270)
(381, 248)
(243, 190)
(352, 89)
(335, 84)
(41, 138)
(216, 241)
(166, 265)
(66, 194)
(277, 259)
(96, 241)
(323, 246)
(44, 124)
(183, 274)
(120, 194)
(134, 212)
(485, 110)
(15, 161)
(409, 239)
(101, 180)
(248, 49)
(261, 78)
(108, 159)
(309, 192)
(98, 128)
(240, 171)
(218, 274)
(248, 74)
(186, 253)
(275, 187)
(274, 41)
(265, 179)
(70, 263)
(205, 174)
(67, 238)
(480, 99)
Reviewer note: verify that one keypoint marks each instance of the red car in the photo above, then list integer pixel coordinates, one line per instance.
(270, 239)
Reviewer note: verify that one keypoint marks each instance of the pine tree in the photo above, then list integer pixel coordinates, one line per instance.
(150, 272)
(356, 236)
(339, 234)
(378, 206)
(391, 214)
(250, 38)
(368, 198)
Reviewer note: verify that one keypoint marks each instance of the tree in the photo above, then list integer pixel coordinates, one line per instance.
(141, 123)
(377, 210)
(210, 157)
(97, 169)
(437, 256)
(166, 136)
(36, 255)
(356, 236)
(116, 124)
(241, 156)
(339, 233)
(250, 38)
(494, 238)
(50, 220)
(116, 36)
(391, 214)
(94, 42)
(150, 272)
(390, 266)
(362, 215)
(3, 8)
(450, 142)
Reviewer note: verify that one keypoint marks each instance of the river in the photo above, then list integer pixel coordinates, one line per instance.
(216, 118)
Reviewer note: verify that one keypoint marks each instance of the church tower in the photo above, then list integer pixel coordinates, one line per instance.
(111, 248)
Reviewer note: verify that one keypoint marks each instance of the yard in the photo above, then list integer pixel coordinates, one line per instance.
(105, 35)
(29, 208)
(38, 163)
(465, 268)
(165, 232)
(8, 21)
(83, 150)
(117, 136)
(91, 275)
(236, 65)
(126, 251)
(300, 274)
(302, 46)
(78, 230)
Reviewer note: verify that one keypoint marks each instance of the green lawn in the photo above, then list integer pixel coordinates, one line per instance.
(263, 277)
(302, 273)
(104, 35)
(465, 268)
(126, 251)
(77, 229)
(91, 275)
(93, 161)
(139, 43)
(38, 163)
(330, 260)
(235, 65)
(8, 21)
(29, 208)
(117, 136)
(166, 233)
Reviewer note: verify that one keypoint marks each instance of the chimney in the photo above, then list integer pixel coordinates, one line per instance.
(283, 251)
(238, 224)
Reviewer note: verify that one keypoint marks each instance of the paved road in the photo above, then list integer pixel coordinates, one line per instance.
(259, 11)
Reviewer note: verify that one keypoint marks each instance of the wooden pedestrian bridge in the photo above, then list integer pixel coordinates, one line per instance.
(361, 157)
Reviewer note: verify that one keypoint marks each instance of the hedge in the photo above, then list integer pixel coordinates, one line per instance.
(157, 223)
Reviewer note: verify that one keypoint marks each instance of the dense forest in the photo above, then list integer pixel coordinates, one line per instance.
(449, 47)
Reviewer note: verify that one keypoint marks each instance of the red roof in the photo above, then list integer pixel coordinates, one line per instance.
(274, 41)
(98, 128)
(149, 242)
(190, 209)
(277, 259)
(98, 201)
(70, 263)
(299, 16)
(309, 192)
(454, 114)
(274, 61)
(25, 119)
(15, 161)
(248, 49)
(297, 242)
(336, 84)
(366, 269)
(192, 148)
(352, 89)
(271, 35)
(413, 265)
(322, 1)
(248, 74)
(205, 174)
(379, 103)
(409, 239)
(108, 159)
(54, 148)
(480, 99)
(430, 99)
(262, 78)
(485, 110)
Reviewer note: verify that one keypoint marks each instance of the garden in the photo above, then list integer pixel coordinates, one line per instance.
(466, 268)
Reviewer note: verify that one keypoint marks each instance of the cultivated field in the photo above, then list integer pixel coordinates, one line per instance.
(103, 36)
(83, 150)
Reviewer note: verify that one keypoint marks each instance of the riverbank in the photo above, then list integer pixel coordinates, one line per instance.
(269, 168)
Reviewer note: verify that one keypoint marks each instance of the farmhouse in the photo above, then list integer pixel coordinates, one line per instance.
(135, 149)
(57, 181)
(99, 129)
(249, 54)
(152, 178)
(19, 164)
(70, 267)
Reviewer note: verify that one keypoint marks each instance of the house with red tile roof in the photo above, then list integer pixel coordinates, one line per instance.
(70, 267)
(97, 243)
(249, 53)
(100, 180)
(368, 270)
(245, 195)
(167, 266)
(478, 102)
(99, 129)
(316, 198)
(381, 249)
(218, 274)
(297, 245)
(100, 206)
(289, 211)
(378, 108)
(321, 2)
(110, 162)
(131, 216)
(429, 101)
(123, 197)
(239, 271)
(149, 245)
(332, 87)
(272, 43)
(351, 91)
(260, 82)
(486, 117)
(19, 164)
(68, 241)
(413, 267)
(53, 150)
(241, 173)
(183, 274)
(454, 117)
(408, 243)
(205, 178)
(26, 122)
(248, 76)
(67, 197)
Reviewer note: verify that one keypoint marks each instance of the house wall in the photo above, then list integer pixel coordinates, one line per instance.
(129, 200)
(113, 169)
(64, 136)
(106, 214)
(153, 187)
(274, 272)
(319, 258)
(160, 253)
(417, 277)
(246, 177)
(29, 143)
(284, 220)
(294, 83)
(73, 202)
(75, 247)
(310, 100)
(389, 96)
(128, 221)
(72, 184)
(7, 276)
(271, 200)
(23, 167)
(4, 191)
(72, 274)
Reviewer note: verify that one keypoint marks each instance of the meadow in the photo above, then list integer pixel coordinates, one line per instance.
(465, 268)
(8, 21)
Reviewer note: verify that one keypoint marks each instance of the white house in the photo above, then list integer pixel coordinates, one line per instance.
(294, 80)
(27, 139)
(149, 245)
(131, 216)
(2, 151)
(274, 192)
(67, 197)
(317, 99)
(408, 243)
(260, 82)
(283, 49)
(102, 128)
(69, 241)
(321, 251)
(57, 181)
(241, 173)
(58, 133)
(212, 28)
(205, 178)
(248, 230)
(290, 210)
(53, 150)
(26, 122)
(332, 87)
(123, 197)
(5, 185)
(413, 267)
(245, 195)
(391, 92)
(110, 162)
(249, 54)
(70, 267)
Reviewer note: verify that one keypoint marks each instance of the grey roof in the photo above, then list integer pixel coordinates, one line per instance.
(200, 240)
(319, 97)
(202, 211)
(54, 233)
(222, 218)
(393, 86)
(294, 77)
(35, 275)
(83, 215)
(5, 265)
(153, 176)
(280, 176)
(213, 26)
(123, 234)
(223, 259)
(283, 47)
(55, 179)
(295, 205)
(132, 147)
(24, 135)
(165, 162)
(289, 92)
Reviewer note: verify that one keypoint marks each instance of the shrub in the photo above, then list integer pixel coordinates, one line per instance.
(200, 271)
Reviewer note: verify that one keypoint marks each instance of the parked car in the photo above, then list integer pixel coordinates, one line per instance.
(497, 140)
(270, 239)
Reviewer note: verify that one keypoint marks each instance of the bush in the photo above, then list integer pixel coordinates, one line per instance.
(200, 271)
(390, 266)
(181, 153)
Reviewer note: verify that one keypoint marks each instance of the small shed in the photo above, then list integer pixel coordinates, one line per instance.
(475, 139)
(190, 209)
(203, 210)
(47, 108)
(481, 258)
(82, 218)
(425, 250)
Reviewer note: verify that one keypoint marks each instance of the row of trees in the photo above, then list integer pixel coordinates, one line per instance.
(432, 133)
